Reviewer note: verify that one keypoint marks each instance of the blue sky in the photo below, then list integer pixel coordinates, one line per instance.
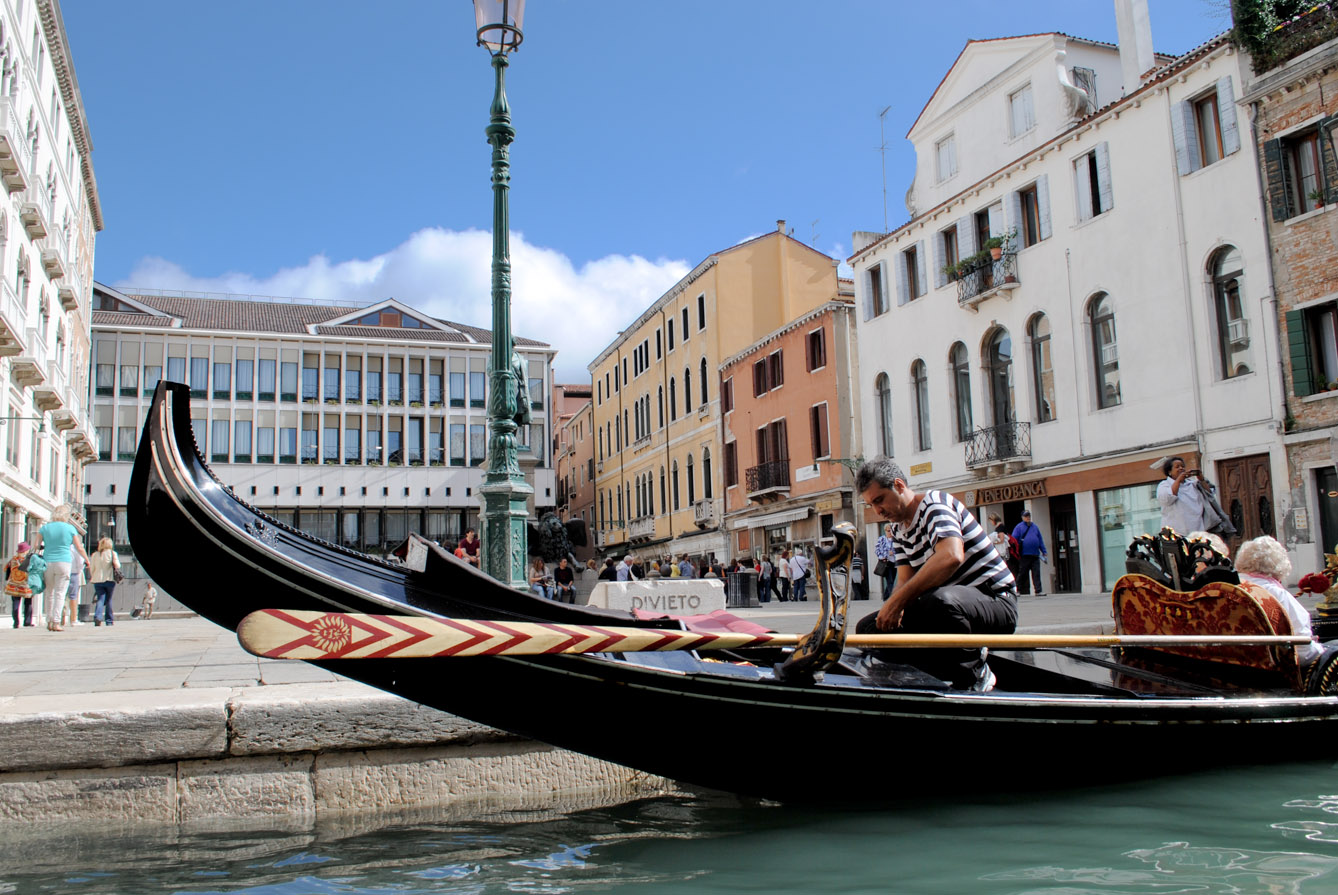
(334, 149)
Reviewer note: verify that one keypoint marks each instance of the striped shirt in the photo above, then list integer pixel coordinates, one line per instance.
(939, 516)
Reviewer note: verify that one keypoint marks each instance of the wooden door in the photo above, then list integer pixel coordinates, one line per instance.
(1245, 490)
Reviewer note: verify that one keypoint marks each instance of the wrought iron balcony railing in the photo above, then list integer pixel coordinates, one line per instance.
(1011, 441)
(766, 476)
(983, 278)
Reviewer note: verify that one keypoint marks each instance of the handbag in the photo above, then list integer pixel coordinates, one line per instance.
(1214, 519)
(117, 576)
(880, 570)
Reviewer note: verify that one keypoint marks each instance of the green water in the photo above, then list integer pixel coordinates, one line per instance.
(1271, 831)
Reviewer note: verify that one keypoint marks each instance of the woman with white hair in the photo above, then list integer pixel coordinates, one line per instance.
(1263, 561)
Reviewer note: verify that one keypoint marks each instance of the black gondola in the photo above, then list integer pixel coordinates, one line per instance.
(1057, 718)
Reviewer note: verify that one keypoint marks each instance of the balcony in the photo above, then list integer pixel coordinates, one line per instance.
(35, 211)
(29, 367)
(1009, 443)
(50, 395)
(1238, 333)
(978, 280)
(768, 480)
(642, 528)
(703, 513)
(69, 299)
(51, 263)
(15, 153)
(13, 321)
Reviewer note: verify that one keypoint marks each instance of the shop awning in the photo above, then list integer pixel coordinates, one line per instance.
(770, 519)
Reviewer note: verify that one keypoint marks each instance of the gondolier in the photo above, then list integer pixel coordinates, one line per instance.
(950, 579)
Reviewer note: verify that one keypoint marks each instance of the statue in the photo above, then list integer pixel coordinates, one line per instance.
(521, 375)
(553, 539)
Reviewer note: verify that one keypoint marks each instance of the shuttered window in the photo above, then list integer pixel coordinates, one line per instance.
(1302, 170)
(1204, 128)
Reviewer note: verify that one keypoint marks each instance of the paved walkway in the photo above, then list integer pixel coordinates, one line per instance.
(171, 653)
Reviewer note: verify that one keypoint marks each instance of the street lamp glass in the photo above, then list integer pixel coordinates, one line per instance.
(499, 23)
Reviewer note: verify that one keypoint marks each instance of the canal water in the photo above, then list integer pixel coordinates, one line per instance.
(1240, 832)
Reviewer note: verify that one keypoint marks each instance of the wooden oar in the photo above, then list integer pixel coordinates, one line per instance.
(285, 634)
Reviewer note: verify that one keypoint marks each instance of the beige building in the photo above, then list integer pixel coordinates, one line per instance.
(49, 218)
(658, 482)
(791, 433)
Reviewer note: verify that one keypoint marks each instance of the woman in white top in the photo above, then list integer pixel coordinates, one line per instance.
(102, 567)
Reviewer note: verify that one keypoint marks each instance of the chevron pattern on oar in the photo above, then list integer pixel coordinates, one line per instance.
(293, 634)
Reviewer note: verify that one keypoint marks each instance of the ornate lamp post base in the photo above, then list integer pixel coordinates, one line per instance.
(505, 514)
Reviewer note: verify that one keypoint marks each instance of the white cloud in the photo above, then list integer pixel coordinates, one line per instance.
(447, 274)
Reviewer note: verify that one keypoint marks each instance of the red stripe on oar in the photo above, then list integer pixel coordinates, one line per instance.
(609, 640)
(574, 633)
(400, 623)
(516, 638)
(667, 640)
(476, 636)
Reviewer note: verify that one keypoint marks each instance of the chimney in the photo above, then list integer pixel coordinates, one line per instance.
(1135, 37)
(780, 226)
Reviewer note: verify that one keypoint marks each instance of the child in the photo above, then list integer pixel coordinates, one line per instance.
(17, 587)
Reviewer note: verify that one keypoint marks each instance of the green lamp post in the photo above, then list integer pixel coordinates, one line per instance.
(505, 493)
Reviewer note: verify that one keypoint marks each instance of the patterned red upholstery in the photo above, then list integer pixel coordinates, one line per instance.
(1145, 606)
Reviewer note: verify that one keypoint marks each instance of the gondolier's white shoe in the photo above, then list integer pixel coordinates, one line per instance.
(985, 679)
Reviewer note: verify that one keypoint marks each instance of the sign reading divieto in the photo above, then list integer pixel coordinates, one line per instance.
(1005, 493)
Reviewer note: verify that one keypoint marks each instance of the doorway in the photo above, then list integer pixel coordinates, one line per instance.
(1064, 537)
(1246, 495)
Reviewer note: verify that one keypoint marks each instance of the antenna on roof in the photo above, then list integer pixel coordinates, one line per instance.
(814, 226)
(882, 150)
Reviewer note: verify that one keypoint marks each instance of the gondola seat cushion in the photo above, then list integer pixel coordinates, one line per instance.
(1145, 606)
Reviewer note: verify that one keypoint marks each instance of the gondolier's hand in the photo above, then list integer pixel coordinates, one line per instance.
(889, 616)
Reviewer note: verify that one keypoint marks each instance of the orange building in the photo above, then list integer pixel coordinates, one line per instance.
(574, 458)
(790, 432)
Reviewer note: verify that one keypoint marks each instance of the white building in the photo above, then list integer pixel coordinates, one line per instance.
(1130, 316)
(49, 218)
(356, 424)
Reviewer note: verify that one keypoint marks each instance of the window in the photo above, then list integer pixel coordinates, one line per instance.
(478, 444)
(1312, 341)
(457, 389)
(999, 373)
(125, 444)
(1042, 368)
(685, 324)
(760, 386)
(152, 376)
(1301, 171)
(706, 473)
(241, 441)
(660, 401)
(288, 381)
(675, 484)
(876, 302)
(776, 369)
(883, 389)
(1022, 116)
(223, 381)
(945, 155)
(1204, 128)
(1085, 80)
(920, 393)
(731, 464)
(1091, 173)
(310, 383)
(658, 352)
(671, 334)
(949, 254)
(105, 379)
(352, 440)
(705, 398)
(816, 355)
(457, 444)
(1030, 231)
(478, 389)
(673, 400)
(687, 390)
(331, 389)
(218, 442)
(1105, 351)
(701, 311)
(199, 377)
(245, 379)
(912, 273)
(129, 380)
(817, 428)
(692, 482)
(961, 387)
(267, 381)
(727, 395)
(265, 444)
(330, 436)
(353, 386)
(1233, 331)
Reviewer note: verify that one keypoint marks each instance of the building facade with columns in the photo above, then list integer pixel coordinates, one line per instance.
(1129, 315)
(355, 424)
(49, 218)
(657, 393)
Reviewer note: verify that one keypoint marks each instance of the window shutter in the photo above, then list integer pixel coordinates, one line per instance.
(1298, 345)
(903, 283)
(966, 237)
(996, 219)
(1043, 204)
(1185, 134)
(1329, 158)
(1013, 213)
(1082, 188)
(940, 279)
(921, 262)
(1275, 170)
(866, 283)
(1103, 176)
(1226, 115)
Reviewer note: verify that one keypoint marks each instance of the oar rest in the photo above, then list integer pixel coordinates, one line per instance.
(1145, 606)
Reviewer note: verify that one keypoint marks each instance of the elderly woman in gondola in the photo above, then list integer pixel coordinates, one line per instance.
(1263, 562)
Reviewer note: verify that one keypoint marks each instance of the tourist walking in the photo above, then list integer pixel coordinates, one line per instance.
(1031, 550)
(799, 572)
(885, 554)
(77, 567)
(58, 540)
(17, 588)
(104, 571)
(764, 580)
(783, 573)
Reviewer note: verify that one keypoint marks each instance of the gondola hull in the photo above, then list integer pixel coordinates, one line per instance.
(716, 724)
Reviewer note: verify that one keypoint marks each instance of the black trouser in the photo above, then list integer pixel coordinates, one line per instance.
(953, 609)
(27, 610)
(1029, 574)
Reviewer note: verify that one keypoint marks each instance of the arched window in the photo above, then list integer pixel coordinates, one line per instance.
(1105, 350)
(673, 400)
(704, 398)
(664, 497)
(920, 396)
(961, 387)
(661, 402)
(1233, 331)
(692, 483)
(706, 473)
(687, 390)
(883, 389)
(650, 493)
(1042, 368)
(675, 484)
(999, 369)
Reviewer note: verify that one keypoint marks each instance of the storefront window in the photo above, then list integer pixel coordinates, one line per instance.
(1123, 514)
